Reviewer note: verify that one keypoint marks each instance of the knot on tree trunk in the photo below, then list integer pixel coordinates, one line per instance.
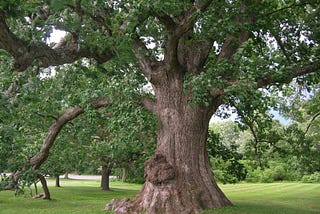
(158, 171)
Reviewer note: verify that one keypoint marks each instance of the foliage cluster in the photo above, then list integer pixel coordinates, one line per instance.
(268, 150)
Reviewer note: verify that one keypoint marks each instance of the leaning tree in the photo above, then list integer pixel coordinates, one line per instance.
(197, 55)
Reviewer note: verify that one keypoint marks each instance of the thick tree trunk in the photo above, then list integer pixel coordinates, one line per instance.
(105, 178)
(178, 177)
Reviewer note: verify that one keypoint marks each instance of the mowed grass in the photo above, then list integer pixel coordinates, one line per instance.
(85, 196)
(271, 198)
(74, 196)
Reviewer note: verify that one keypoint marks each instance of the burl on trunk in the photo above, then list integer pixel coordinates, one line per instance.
(178, 177)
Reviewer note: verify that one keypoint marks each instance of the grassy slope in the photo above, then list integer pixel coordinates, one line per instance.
(84, 196)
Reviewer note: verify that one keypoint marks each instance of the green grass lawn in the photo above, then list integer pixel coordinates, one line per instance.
(273, 198)
(84, 196)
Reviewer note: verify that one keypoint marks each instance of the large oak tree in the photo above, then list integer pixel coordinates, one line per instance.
(197, 55)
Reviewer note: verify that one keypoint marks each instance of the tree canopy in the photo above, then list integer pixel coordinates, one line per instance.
(197, 55)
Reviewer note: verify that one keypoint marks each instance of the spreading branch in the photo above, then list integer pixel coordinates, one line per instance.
(293, 73)
(70, 114)
(26, 54)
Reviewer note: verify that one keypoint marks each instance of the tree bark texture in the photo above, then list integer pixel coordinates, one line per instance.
(178, 177)
(105, 178)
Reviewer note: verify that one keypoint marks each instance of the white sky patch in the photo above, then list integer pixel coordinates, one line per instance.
(56, 36)
(217, 119)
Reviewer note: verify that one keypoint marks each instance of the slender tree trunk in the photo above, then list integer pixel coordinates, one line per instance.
(36, 188)
(45, 187)
(105, 178)
(178, 177)
(57, 181)
(124, 175)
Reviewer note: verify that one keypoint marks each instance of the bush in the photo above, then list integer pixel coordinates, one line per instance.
(313, 178)
(267, 176)
(254, 176)
(279, 173)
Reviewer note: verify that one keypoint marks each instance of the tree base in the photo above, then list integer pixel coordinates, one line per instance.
(42, 196)
(165, 192)
(168, 200)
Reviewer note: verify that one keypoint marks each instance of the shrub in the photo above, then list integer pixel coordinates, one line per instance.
(267, 176)
(254, 176)
(279, 173)
(313, 178)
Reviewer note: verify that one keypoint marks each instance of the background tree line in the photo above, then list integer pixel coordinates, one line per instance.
(259, 148)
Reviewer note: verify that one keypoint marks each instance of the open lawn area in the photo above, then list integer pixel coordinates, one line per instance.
(84, 196)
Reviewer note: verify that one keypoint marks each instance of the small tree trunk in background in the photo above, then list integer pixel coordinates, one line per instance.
(105, 178)
(45, 187)
(57, 181)
(66, 176)
(124, 175)
(36, 188)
